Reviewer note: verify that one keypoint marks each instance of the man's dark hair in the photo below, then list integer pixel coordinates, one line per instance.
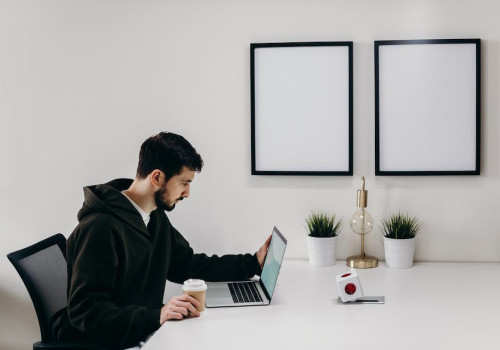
(167, 152)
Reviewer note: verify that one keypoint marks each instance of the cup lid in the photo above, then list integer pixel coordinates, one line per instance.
(194, 285)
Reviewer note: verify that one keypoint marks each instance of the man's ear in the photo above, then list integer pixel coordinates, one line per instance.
(156, 177)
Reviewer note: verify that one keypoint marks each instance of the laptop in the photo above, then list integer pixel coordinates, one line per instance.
(250, 293)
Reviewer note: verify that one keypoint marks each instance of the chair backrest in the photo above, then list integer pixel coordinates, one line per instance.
(42, 267)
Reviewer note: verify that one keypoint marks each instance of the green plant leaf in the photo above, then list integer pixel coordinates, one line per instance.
(400, 226)
(321, 224)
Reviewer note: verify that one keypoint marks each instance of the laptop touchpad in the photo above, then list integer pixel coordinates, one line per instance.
(219, 291)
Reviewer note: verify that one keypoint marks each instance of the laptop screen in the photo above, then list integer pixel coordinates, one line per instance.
(273, 261)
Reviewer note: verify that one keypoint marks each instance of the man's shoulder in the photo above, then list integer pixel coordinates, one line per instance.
(99, 219)
(95, 226)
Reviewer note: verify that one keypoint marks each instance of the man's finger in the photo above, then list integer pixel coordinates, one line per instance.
(190, 307)
(268, 241)
(192, 300)
(172, 315)
(181, 310)
(265, 247)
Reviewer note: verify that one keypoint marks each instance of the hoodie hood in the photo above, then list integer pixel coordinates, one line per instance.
(108, 199)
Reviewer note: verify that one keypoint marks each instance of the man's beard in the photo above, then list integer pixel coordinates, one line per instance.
(161, 204)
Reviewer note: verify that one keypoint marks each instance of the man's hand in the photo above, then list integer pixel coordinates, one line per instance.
(179, 307)
(262, 252)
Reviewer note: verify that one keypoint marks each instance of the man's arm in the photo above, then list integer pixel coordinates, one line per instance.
(186, 264)
(185, 305)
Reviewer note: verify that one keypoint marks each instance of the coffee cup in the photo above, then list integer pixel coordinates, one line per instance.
(197, 289)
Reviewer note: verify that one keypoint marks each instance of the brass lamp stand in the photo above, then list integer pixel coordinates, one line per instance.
(362, 223)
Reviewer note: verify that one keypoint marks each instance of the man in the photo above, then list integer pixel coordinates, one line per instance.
(125, 248)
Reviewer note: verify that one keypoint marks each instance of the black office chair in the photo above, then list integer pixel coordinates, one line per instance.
(42, 267)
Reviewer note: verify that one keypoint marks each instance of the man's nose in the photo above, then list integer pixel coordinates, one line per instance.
(186, 192)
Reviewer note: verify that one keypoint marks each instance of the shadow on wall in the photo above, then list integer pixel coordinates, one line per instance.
(18, 323)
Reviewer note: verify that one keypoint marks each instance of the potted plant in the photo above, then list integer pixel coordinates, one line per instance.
(399, 232)
(322, 238)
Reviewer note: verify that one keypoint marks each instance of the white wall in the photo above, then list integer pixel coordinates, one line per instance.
(83, 83)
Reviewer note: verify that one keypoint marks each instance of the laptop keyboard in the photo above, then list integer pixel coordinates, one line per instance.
(244, 292)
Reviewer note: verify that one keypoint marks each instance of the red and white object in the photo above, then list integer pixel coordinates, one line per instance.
(349, 286)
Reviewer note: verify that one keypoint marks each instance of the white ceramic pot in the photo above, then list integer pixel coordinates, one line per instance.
(399, 253)
(322, 250)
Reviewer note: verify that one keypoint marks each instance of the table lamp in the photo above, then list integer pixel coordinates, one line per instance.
(362, 223)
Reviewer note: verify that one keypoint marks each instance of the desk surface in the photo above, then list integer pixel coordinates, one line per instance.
(429, 306)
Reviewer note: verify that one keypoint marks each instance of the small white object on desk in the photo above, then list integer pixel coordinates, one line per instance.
(351, 291)
(349, 286)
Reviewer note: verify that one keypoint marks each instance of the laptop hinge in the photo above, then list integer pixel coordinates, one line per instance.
(264, 290)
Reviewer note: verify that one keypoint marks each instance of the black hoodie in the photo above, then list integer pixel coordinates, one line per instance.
(117, 269)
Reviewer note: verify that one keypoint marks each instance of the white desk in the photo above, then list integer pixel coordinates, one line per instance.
(429, 306)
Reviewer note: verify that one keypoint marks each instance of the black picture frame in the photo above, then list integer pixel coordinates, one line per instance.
(427, 107)
(302, 108)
